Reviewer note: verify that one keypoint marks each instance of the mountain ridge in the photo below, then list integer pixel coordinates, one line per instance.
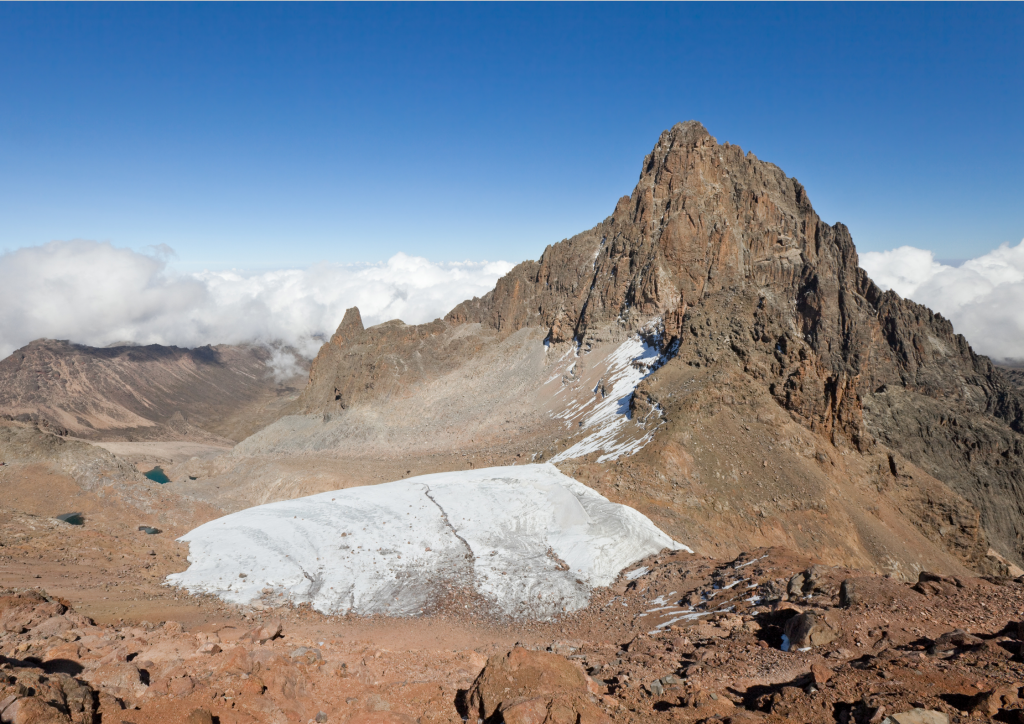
(726, 254)
(710, 354)
(141, 392)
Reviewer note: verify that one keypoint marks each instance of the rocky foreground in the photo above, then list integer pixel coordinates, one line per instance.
(681, 638)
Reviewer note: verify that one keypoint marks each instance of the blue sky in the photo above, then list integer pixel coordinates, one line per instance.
(262, 135)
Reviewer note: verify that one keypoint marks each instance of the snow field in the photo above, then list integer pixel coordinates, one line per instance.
(531, 541)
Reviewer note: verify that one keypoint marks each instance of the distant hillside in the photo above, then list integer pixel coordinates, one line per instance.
(208, 394)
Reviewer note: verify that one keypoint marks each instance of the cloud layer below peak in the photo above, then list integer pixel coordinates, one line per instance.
(98, 294)
(983, 297)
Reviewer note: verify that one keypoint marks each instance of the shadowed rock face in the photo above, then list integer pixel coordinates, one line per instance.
(759, 296)
(142, 392)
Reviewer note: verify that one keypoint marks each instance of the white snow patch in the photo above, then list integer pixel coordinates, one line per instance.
(507, 532)
(604, 413)
(755, 560)
(637, 572)
(660, 601)
(685, 617)
(626, 366)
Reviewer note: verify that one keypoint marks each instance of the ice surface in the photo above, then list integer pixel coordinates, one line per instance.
(532, 541)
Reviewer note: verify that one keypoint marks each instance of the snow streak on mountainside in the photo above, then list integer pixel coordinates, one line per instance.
(527, 539)
(605, 413)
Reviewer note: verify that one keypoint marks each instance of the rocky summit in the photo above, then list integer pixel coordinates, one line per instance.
(691, 465)
(794, 401)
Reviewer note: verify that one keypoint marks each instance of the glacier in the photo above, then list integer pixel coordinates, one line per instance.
(527, 539)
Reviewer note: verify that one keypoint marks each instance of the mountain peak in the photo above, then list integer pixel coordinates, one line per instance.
(351, 325)
(688, 131)
(718, 262)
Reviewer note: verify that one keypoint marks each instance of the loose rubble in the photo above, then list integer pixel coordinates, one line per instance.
(690, 639)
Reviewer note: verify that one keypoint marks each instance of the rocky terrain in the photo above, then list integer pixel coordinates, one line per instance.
(845, 469)
(712, 337)
(767, 637)
(209, 394)
(781, 399)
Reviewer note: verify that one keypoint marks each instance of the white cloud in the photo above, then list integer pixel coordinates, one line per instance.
(983, 297)
(96, 294)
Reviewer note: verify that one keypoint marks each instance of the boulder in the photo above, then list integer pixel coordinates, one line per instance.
(924, 576)
(770, 591)
(820, 673)
(19, 618)
(237, 661)
(79, 699)
(814, 581)
(796, 585)
(522, 685)
(956, 639)
(284, 682)
(123, 680)
(708, 703)
(531, 711)
(705, 630)
(109, 707)
(181, 686)
(935, 588)
(70, 651)
(262, 634)
(848, 594)
(199, 716)
(53, 626)
(935, 584)
(32, 710)
(253, 686)
(990, 703)
(682, 645)
(307, 655)
(808, 629)
(807, 582)
(917, 716)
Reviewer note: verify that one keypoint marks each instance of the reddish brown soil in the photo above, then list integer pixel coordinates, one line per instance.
(882, 656)
(725, 663)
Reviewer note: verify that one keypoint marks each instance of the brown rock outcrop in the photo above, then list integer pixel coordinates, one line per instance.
(532, 687)
(769, 323)
(809, 629)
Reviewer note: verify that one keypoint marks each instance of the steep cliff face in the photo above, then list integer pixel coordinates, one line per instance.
(749, 290)
(383, 362)
(708, 227)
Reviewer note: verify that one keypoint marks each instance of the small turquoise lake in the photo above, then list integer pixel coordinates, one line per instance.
(157, 475)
